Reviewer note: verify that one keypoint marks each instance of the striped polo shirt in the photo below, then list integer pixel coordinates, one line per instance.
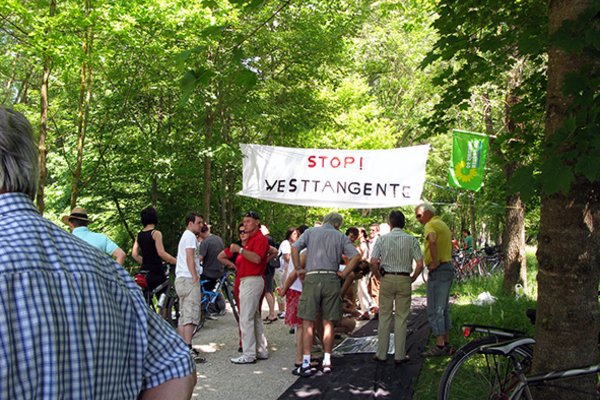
(397, 250)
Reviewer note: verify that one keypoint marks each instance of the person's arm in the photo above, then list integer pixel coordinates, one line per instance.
(296, 259)
(247, 254)
(191, 264)
(160, 248)
(135, 252)
(119, 255)
(417, 271)
(432, 239)
(224, 259)
(350, 266)
(375, 267)
(272, 253)
(292, 276)
(347, 284)
(174, 389)
(299, 263)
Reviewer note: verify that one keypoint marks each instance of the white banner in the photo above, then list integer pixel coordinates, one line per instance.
(335, 178)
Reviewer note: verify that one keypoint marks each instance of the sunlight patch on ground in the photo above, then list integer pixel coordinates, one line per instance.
(210, 347)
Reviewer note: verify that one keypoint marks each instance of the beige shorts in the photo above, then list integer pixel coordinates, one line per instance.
(190, 298)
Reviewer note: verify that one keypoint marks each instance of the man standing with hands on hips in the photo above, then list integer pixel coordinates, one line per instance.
(438, 259)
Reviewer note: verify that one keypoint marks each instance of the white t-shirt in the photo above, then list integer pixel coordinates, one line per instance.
(297, 285)
(285, 248)
(187, 241)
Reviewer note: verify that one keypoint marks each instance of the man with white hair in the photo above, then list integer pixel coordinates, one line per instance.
(438, 259)
(74, 324)
(321, 291)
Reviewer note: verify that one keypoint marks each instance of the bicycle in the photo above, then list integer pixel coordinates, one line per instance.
(209, 297)
(497, 366)
(167, 305)
(468, 365)
(515, 383)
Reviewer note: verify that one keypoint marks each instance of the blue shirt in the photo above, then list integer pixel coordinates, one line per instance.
(73, 324)
(98, 240)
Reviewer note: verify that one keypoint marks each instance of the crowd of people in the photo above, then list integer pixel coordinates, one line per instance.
(325, 281)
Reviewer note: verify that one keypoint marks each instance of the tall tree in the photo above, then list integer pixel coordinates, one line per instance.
(42, 147)
(569, 239)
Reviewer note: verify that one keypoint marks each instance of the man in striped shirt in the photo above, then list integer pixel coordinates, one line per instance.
(392, 261)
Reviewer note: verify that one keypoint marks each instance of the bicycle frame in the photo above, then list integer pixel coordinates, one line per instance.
(523, 382)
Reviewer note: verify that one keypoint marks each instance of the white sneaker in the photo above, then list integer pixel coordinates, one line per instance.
(243, 360)
(262, 356)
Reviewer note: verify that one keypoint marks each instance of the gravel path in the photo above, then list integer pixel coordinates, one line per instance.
(218, 378)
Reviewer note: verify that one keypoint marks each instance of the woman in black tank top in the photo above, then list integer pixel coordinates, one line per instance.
(149, 251)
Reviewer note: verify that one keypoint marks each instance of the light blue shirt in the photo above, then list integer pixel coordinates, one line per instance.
(98, 240)
(73, 324)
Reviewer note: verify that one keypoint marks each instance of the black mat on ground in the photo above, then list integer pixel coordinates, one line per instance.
(357, 376)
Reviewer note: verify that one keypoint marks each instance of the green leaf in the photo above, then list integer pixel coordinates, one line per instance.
(556, 176)
(213, 30)
(588, 167)
(246, 78)
(524, 182)
(204, 76)
(188, 83)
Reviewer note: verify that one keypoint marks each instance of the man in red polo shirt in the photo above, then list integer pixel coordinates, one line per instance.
(251, 272)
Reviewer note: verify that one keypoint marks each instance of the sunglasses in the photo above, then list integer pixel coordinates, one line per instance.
(252, 214)
(242, 232)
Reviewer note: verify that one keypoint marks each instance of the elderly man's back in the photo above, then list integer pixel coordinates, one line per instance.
(72, 322)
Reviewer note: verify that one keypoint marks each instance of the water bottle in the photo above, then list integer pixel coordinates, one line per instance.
(161, 300)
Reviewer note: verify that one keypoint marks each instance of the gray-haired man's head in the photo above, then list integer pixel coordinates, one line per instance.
(424, 212)
(334, 219)
(18, 154)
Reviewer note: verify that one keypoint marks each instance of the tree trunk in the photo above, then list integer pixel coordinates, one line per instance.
(513, 237)
(85, 95)
(42, 149)
(513, 241)
(208, 131)
(569, 239)
(472, 227)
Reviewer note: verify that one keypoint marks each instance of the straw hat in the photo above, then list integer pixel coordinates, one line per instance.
(76, 213)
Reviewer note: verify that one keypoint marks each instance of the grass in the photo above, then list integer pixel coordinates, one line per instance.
(507, 311)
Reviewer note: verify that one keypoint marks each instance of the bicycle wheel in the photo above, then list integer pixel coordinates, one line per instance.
(203, 313)
(473, 375)
(231, 299)
(481, 267)
(170, 311)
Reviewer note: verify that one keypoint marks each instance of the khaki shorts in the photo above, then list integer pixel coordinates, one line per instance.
(190, 298)
(320, 294)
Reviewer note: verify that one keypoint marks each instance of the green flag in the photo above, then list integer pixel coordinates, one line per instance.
(469, 151)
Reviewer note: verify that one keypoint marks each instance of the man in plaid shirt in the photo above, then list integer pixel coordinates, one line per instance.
(73, 324)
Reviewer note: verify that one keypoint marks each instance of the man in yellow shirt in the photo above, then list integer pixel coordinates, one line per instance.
(438, 259)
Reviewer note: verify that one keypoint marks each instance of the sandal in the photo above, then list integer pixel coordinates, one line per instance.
(269, 320)
(404, 360)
